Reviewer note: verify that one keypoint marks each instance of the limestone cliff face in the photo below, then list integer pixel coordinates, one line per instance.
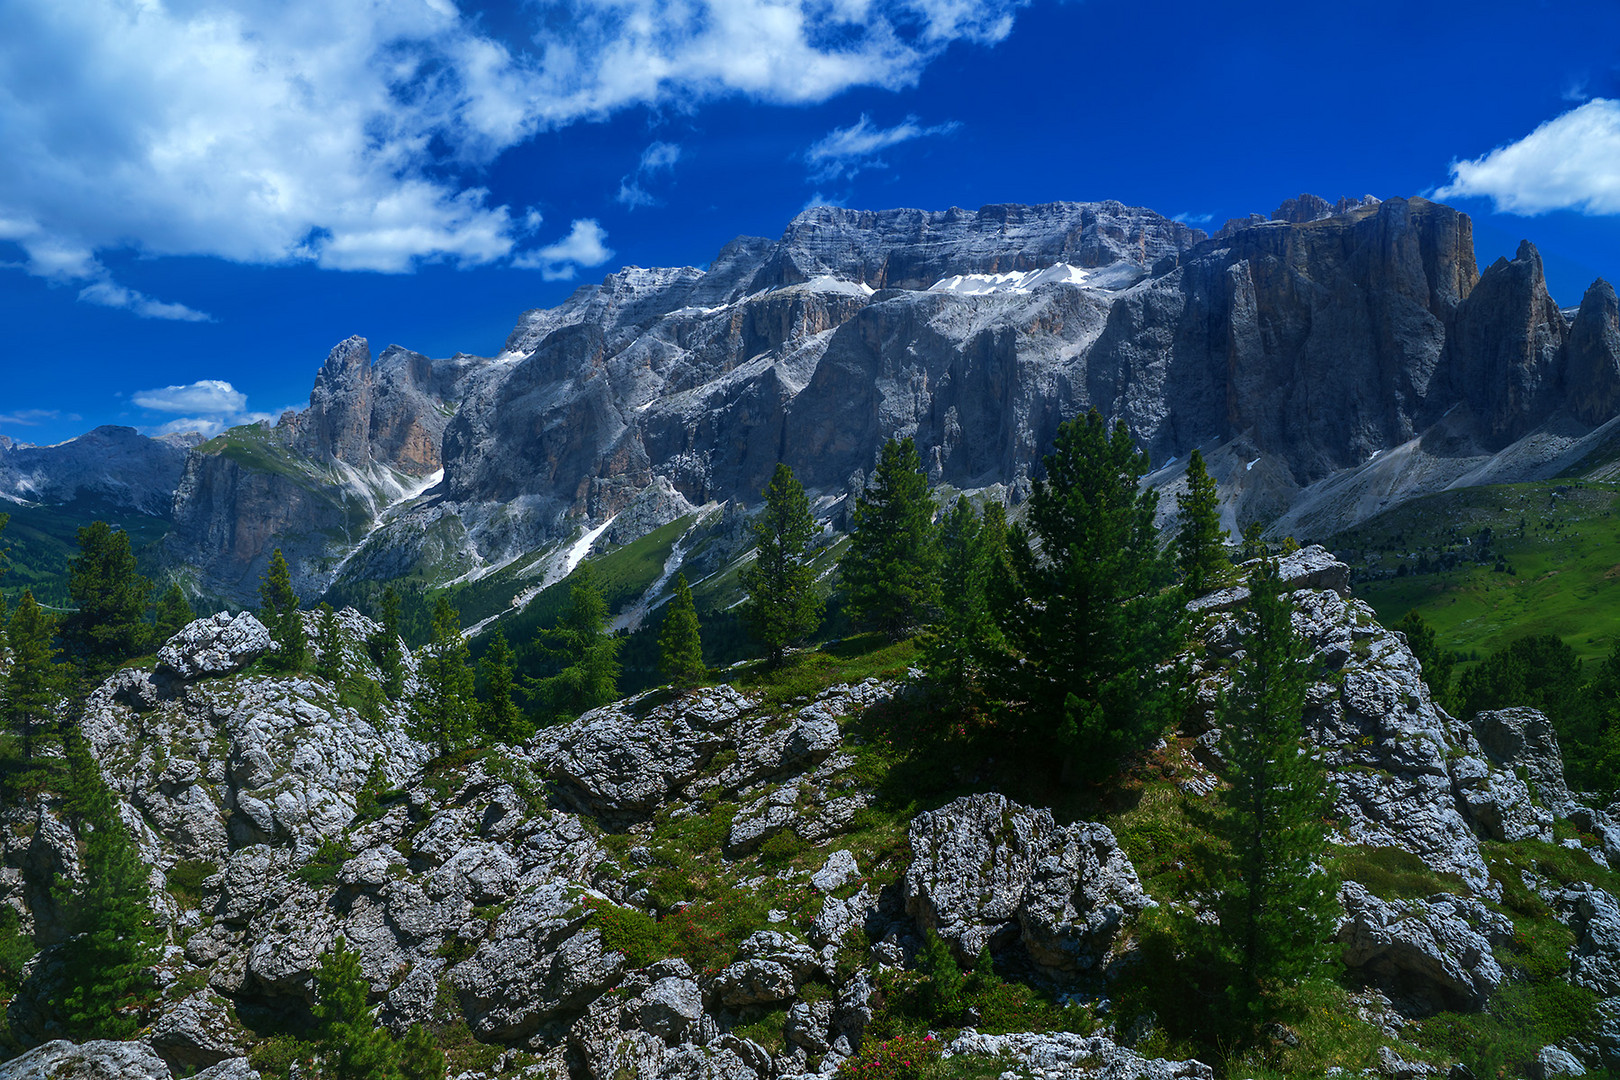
(1593, 373)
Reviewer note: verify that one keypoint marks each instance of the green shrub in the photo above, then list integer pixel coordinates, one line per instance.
(323, 868)
(1392, 873)
(185, 880)
(904, 1057)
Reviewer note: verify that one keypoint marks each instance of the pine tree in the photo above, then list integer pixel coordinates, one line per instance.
(782, 607)
(1253, 545)
(442, 710)
(1435, 661)
(1090, 626)
(173, 614)
(891, 570)
(966, 641)
(680, 644)
(108, 961)
(33, 683)
(500, 718)
(419, 1056)
(584, 649)
(350, 1042)
(385, 648)
(1276, 904)
(108, 625)
(1200, 542)
(278, 610)
(329, 641)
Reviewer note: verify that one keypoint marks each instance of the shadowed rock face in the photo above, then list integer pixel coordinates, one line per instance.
(116, 464)
(1311, 341)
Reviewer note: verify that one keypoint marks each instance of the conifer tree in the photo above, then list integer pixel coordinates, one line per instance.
(419, 1056)
(1090, 626)
(1436, 662)
(5, 561)
(1200, 542)
(680, 645)
(1253, 546)
(351, 1044)
(966, 642)
(278, 610)
(891, 570)
(782, 607)
(109, 596)
(33, 683)
(330, 642)
(108, 961)
(442, 709)
(500, 718)
(173, 614)
(1276, 904)
(385, 647)
(587, 653)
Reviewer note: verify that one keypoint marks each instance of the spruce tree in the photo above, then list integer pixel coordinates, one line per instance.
(419, 1056)
(1090, 625)
(1276, 904)
(278, 610)
(966, 642)
(329, 640)
(584, 649)
(33, 682)
(680, 645)
(1200, 541)
(782, 607)
(385, 647)
(350, 1042)
(1253, 545)
(108, 624)
(173, 614)
(501, 720)
(442, 709)
(1435, 661)
(108, 961)
(891, 570)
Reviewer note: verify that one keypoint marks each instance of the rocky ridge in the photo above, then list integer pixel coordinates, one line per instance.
(504, 891)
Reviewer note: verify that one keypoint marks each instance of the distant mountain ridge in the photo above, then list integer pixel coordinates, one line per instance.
(1328, 360)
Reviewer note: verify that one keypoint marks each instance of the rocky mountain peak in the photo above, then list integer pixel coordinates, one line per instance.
(1594, 355)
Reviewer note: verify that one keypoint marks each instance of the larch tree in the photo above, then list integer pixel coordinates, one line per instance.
(1276, 904)
(109, 596)
(1091, 628)
(442, 710)
(680, 642)
(278, 610)
(782, 607)
(891, 569)
(1200, 540)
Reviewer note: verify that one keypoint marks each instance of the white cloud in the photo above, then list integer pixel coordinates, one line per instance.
(1186, 217)
(846, 151)
(31, 417)
(583, 246)
(202, 396)
(345, 132)
(658, 157)
(1571, 162)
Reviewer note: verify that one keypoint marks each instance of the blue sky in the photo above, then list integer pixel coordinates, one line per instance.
(199, 199)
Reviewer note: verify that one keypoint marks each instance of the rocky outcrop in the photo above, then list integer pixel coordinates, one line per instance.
(1066, 1054)
(99, 1060)
(1433, 953)
(1592, 373)
(218, 645)
(1523, 742)
(985, 868)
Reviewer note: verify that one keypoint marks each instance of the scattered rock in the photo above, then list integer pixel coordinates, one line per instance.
(1430, 954)
(99, 1060)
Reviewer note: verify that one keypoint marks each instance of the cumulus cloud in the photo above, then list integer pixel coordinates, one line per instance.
(583, 246)
(349, 134)
(658, 157)
(1571, 162)
(846, 151)
(208, 406)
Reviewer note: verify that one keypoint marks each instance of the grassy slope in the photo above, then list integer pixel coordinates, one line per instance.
(40, 540)
(1561, 539)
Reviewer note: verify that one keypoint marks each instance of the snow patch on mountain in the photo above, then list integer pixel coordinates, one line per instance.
(1016, 282)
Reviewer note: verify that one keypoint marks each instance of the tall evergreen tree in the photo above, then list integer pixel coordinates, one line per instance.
(1435, 661)
(680, 644)
(442, 710)
(173, 614)
(385, 647)
(108, 625)
(329, 640)
(108, 961)
(782, 607)
(278, 610)
(891, 570)
(1276, 904)
(1200, 541)
(586, 652)
(1253, 545)
(351, 1044)
(33, 684)
(1091, 627)
(965, 643)
(500, 718)
(5, 563)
